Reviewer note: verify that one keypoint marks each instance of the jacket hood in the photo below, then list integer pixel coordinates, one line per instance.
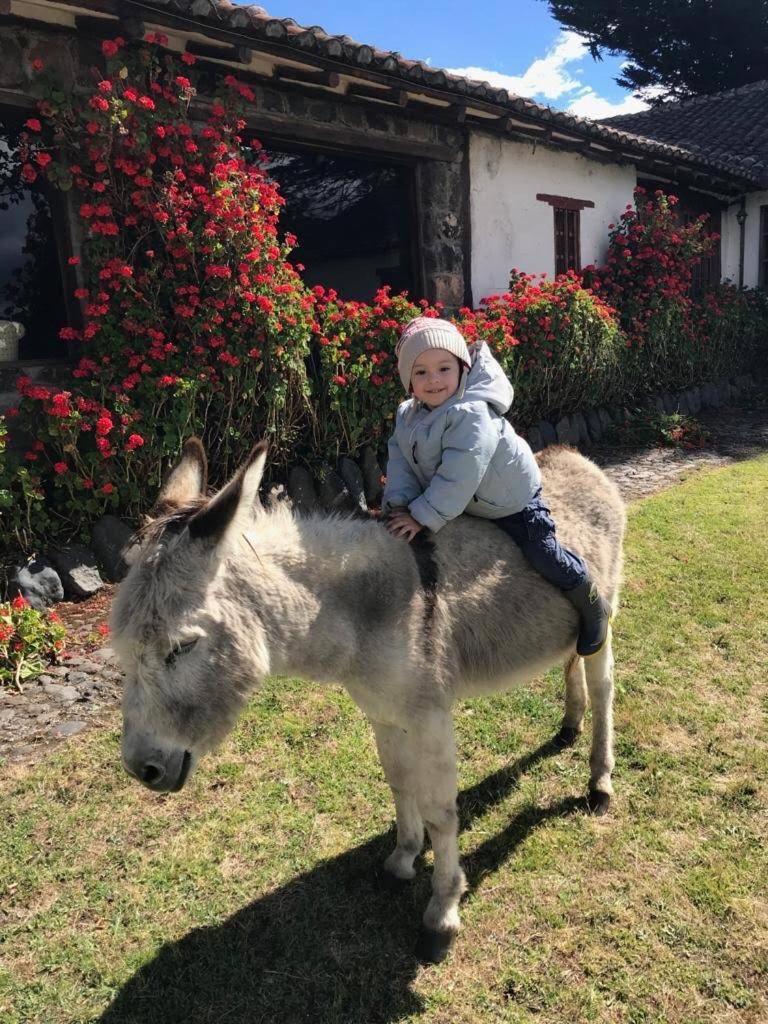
(486, 381)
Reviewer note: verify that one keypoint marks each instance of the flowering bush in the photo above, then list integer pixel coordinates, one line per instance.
(29, 640)
(647, 279)
(358, 387)
(194, 321)
(649, 426)
(557, 342)
(23, 515)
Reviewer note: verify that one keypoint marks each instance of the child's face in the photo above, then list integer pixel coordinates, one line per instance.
(435, 377)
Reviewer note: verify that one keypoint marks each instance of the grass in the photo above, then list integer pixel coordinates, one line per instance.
(254, 894)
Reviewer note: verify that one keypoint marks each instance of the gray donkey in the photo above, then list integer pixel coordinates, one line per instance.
(225, 592)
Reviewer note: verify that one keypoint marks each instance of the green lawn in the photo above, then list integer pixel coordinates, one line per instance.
(254, 895)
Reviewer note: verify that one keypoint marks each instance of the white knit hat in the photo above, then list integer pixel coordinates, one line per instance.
(427, 332)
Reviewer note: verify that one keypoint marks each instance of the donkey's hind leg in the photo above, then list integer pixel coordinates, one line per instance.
(575, 702)
(599, 672)
(396, 756)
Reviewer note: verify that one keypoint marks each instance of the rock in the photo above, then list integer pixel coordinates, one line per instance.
(683, 404)
(372, 477)
(534, 439)
(567, 433)
(548, 432)
(6, 714)
(301, 488)
(694, 400)
(56, 691)
(79, 679)
(352, 476)
(103, 654)
(63, 729)
(110, 538)
(605, 420)
(76, 565)
(713, 395)
(579, 423)
(724, 392)
(657, 403)
(670, 406)
(594, 425)
(332, 492)
(38, 582)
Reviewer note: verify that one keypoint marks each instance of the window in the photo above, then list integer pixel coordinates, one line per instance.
(762, 276)
(567, 241)
(567, 213)
(352, 218)
(31, 284)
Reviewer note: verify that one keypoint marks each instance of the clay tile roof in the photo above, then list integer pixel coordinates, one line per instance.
(628, 136)
(731, 126)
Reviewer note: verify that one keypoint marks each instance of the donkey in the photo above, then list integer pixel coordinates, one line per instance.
(224, 592)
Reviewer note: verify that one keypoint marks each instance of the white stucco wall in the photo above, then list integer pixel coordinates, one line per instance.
(730, 240)
(511, 228)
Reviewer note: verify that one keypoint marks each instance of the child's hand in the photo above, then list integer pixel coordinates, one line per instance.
(402, 524)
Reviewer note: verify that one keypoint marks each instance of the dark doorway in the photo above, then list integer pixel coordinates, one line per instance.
(31, 287)
(352, 218)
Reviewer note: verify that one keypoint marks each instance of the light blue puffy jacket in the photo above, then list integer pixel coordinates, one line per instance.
(462, 456)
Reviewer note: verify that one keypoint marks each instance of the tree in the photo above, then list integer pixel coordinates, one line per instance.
(678, 47)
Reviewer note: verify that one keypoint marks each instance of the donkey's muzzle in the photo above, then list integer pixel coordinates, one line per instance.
(159, 770)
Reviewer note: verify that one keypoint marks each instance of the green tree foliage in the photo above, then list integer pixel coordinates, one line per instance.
(682, 47)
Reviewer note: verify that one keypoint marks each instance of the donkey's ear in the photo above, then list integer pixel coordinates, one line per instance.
(235, 500)
(187, 480)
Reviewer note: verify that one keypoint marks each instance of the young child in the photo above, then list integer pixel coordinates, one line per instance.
(453, 451)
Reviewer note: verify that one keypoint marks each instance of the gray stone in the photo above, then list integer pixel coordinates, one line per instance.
(56, 691)
(534, 439)
(63, 729)
(594, 425)
(372, 477)
(567, 432)
(724, 392)
(76, 565)
(694, 400)
(332, 492)
(579, 422)
(6, 715)
(605, 420)
(301, 488)
(104, 654)
(683, 404)
(548, 432)
(110, 538)
(79, 678)
(669, 403)
(38, 582)
(352, 476)
(657, 402)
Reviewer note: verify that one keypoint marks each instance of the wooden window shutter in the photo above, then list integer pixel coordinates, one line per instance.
(567, 240)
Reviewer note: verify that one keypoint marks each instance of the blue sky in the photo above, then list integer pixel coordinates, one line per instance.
(515, 45)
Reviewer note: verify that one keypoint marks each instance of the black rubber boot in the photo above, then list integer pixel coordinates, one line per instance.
(595, 613)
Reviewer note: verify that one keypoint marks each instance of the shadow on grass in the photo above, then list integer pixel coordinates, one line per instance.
(333, 945)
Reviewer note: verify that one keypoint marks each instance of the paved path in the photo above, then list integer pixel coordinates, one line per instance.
(85, 689)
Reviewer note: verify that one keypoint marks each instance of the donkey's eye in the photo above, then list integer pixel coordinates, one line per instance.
(178, 650)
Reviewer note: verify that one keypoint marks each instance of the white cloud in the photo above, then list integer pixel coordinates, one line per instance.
(551, 78)
(589, 104)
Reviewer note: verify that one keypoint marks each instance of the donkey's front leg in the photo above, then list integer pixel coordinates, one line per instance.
(433, 739)
(396, 756)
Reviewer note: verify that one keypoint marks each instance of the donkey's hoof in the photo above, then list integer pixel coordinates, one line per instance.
(598, 802)
(433, 947)
(566, 737)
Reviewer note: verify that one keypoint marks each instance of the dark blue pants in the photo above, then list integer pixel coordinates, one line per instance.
(533, 530)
